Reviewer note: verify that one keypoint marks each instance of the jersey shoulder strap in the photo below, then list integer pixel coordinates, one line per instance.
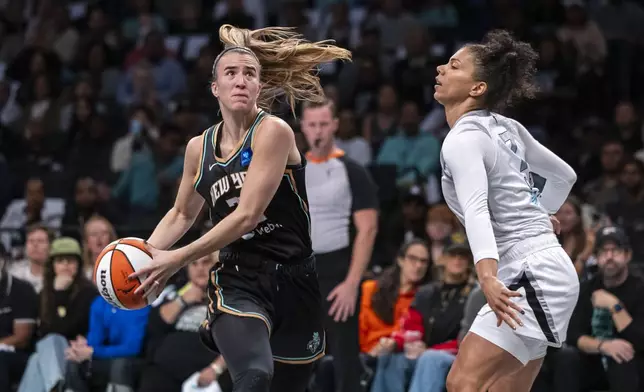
(206, 149)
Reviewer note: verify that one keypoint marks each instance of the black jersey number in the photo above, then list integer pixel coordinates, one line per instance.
(233, 202)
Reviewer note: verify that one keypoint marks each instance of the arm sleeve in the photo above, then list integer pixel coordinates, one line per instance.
(557, 176)
(468, 157)
(132, 344)
(364, 191)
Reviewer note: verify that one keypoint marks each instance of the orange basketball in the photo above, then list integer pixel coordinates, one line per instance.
(116, 262)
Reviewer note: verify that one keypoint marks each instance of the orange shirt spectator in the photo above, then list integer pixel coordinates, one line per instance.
(386, 300)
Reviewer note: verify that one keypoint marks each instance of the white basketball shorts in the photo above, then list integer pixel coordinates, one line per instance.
(543, 273)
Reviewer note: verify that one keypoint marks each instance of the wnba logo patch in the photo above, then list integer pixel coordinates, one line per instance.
(314, 343)
(246, 156)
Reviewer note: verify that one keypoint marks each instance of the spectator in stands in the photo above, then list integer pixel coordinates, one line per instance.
(64, 315)
(174, 349)
(387, 299)
(32, 268)
(439, 14)
(415, 155)
(407, 222)
(628, 210)
(151, 171)
(98, 62)
(628, 126)
(572, 236)
(84, 206)
(108, 357)
(442, 229)
(142, 132)
(34, 208)
(19, 305)
(383, 121)
(429, 331)
(168, 77)
(602, 190)
(98, 232)
(91, 151)
(236, 15)
(607, 327)
(415, 73)
(145, 20)
(348, 139)
(584, 35)
(394, 22)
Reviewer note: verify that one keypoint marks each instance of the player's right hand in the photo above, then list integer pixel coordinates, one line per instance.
(499, 298)
(620, 350)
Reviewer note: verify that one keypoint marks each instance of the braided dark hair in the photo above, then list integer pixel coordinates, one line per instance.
(508, 68)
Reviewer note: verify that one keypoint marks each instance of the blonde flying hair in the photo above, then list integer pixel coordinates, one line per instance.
(288, 62)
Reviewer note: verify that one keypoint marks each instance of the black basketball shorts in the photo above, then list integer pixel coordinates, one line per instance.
(285, 297)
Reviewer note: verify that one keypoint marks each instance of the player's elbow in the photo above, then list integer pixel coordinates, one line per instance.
(248, 220)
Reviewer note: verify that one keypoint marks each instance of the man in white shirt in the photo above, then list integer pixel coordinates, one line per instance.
(32, 268)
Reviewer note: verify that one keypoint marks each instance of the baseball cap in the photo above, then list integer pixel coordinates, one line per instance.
(414, 193)
(65, 246)
(612, 234)
(458, 247)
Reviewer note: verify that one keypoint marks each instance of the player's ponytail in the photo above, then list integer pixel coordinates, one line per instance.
(288, 62)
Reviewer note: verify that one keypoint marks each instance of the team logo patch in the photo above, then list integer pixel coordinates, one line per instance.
(246, 156)
(314, 343)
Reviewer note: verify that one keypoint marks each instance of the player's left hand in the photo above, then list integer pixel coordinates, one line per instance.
(206, 377)
(556, 225)
(344, 298)
(602, 299)
(164, 264)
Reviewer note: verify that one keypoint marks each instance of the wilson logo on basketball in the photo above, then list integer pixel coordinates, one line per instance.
(104, 291)
(114, 265)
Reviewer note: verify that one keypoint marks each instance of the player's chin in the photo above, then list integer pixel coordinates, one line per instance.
(439, 97)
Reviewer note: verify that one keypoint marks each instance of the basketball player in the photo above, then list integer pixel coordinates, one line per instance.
(502, 184)
(265, 302)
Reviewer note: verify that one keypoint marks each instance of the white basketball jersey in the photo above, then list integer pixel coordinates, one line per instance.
(513, 189)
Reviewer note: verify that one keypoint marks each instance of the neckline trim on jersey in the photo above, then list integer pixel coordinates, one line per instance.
(477, 112)
(235, 151)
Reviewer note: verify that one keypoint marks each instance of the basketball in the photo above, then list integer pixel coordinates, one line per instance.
(117, 261)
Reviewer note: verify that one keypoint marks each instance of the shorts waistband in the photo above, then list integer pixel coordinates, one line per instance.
(530, 245)
(255, 262)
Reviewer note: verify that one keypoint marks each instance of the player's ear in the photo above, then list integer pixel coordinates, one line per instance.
(478, 89)
(214, 89)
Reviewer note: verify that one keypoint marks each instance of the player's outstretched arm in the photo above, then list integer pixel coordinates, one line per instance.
(273, 141)
(187, 205)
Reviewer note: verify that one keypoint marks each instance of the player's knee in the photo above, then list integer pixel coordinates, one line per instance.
(253, 380)
(459, 382)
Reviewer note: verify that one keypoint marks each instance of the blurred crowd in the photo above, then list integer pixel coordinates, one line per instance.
(98, 99)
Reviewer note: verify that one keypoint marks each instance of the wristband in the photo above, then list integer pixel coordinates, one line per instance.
(217, 369)
(599, 346)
